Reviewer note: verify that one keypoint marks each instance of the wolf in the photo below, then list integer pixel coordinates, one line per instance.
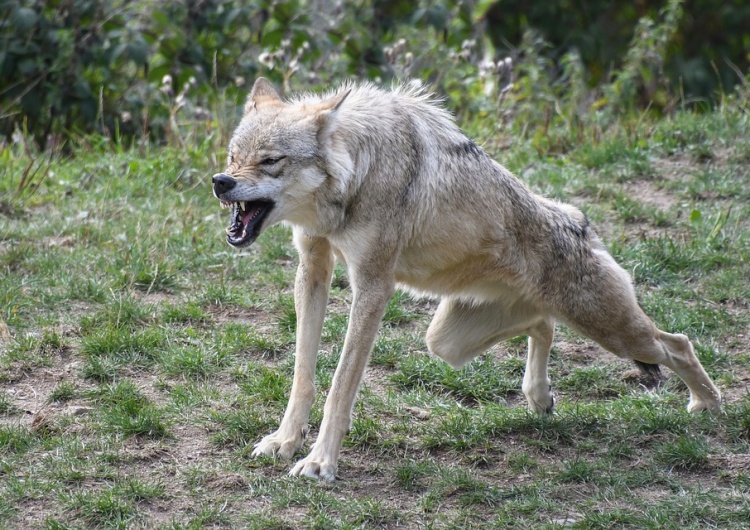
(385, 181)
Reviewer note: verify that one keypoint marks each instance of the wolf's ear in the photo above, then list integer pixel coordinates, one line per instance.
(332, 103)
(263, 92)
(323, 110)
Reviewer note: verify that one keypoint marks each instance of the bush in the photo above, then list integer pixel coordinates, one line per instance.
(115, 67)
(161, 71)
(137, 68)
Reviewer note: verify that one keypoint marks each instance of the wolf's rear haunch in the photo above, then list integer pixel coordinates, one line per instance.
(387, 183)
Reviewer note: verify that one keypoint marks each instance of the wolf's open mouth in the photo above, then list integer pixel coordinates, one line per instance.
(247, 218)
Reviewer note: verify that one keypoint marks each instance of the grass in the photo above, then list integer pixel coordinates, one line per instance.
(146, 358)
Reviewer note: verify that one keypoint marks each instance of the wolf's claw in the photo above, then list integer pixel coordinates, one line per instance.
(311, 468)
(277, 445)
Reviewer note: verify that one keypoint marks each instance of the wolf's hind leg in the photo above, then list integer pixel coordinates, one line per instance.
(461, 330)
(676, 353)
(682, 360)
(612, 317)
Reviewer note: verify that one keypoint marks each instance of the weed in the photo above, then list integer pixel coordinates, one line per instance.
(412, 476)
(397, 312)
(482, 380)
(105, 508)
(121, 312)
(578, 470)
(15, 440)
(64, 391)
(188, 313)
(595, 381)
(366, 431)
(126, 410)
(234, 338)
(31, 351)
(194, 361)
(7, 407)
(687, 452)
(241, 427)
(738, 422)
(263, 384)
(388, 352)
(288, 314)
(53, 524)
(137, 490)
(111, 348)
(192, 395)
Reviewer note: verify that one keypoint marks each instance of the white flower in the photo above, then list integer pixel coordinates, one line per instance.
(266, 59)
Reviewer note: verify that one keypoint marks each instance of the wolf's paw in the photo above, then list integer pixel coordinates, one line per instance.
(541, 402)
(698, 405)
(543, 407)
(279, 445)
(312, 467)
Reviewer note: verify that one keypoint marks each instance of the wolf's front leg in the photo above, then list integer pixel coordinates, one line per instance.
(368, 306)
(310, 299)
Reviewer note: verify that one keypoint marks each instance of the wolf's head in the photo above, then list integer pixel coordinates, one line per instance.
(275, 162)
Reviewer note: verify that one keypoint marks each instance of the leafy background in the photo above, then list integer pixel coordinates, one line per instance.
(141, 69)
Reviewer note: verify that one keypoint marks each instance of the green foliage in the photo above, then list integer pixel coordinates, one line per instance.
(240, 427)
(15, 440)
(107, 508)
(117, 67)
(194, 362)
(63, 391)
(687, 452)
(128, 411)
(262, 384)
(695, 55)
(169, 71)
(483, 380)
(643, 67)
(188, 313)
(31, 352)
(129, 69)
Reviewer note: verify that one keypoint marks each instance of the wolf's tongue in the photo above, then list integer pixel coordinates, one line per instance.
(249, 214)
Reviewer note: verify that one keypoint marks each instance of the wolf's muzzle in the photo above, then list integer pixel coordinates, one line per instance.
(222, 184)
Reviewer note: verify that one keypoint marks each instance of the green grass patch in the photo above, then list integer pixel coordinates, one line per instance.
(483, 380)
(127, 411)
(242, 426)
(144, 357)
(15, 440)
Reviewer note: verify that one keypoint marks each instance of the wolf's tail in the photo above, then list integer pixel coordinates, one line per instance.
(652, 370)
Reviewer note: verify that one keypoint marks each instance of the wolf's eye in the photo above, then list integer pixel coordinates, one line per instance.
(231, 159)
(271, 160)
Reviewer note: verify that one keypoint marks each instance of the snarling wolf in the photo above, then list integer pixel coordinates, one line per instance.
(384, 181)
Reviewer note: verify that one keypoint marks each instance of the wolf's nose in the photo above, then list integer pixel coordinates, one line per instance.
(223, 183)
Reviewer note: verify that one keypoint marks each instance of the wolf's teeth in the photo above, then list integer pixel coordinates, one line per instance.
(242, 205)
